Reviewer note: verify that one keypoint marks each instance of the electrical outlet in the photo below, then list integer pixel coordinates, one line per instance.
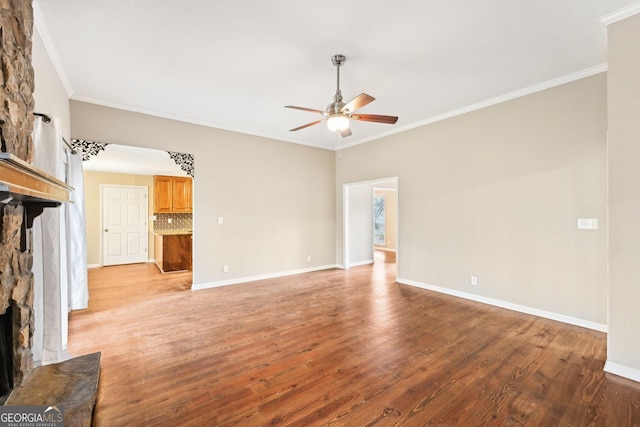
(308, 257)
(474, 281)
(169, 220)
(225, 269)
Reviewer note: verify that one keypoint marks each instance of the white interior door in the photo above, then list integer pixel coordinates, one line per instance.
(124, 224)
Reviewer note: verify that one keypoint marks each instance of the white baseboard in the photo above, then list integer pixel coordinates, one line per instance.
(509, 306)
(359, 263)
(382, 248)
(200, 286)
(622, 370)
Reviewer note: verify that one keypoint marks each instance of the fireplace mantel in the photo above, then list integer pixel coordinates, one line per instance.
(36, 189)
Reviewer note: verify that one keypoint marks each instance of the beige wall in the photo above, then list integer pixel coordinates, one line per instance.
(277, 199)
(495, 193)
(624, 195)
(360, 224)
(92, 182)
(50, 96)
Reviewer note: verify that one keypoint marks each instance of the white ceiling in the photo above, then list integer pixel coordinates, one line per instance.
(234, 64)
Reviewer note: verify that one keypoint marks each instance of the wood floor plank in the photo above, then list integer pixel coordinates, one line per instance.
(335, 348)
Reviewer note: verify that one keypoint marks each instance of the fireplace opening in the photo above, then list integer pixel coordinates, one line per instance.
(6, 354)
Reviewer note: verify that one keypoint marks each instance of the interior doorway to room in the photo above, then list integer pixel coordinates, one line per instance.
(370, 212)
(119, 165)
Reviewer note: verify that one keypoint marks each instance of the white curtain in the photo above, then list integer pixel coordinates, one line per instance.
(50, 254)
(77, 236)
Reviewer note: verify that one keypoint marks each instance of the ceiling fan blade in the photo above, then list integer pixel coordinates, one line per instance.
(307, 125)
(345, 133)
(304, 109)
(358, 102)
(375, 118)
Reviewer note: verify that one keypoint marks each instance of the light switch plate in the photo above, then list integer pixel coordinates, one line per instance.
(587, 223)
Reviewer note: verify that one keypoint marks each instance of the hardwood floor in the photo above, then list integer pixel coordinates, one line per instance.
(335, 348)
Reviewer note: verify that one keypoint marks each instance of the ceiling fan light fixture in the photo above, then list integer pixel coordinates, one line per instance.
(338, 122)
(337, 115)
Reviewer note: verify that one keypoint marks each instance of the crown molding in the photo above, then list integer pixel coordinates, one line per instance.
(184, 119)
(41, 26)
(568, 78)
(620, 14)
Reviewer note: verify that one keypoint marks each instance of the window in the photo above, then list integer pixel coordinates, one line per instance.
(378, 220)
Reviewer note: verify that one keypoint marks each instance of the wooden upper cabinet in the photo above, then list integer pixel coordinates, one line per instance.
(162, 190)
(181, 194)
(172, 194)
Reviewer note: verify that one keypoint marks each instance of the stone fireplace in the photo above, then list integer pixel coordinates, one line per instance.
(24, 193)
(16, 123)
(24, 190)
(16, 294)
(6, 354)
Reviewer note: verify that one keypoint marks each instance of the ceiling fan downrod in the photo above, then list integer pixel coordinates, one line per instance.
(337, 105)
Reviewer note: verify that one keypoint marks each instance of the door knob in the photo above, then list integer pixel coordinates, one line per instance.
(106, 230)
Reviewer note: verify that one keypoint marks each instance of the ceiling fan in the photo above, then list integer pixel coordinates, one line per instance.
(337, 114)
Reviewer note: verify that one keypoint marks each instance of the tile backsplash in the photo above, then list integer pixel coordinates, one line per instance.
(179, 221)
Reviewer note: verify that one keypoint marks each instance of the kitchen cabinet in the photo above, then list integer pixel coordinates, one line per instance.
(162, 194)
(173, 252)
(181, 194)
(172, 194)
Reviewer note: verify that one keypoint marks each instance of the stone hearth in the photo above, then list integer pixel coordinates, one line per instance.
(72, 384)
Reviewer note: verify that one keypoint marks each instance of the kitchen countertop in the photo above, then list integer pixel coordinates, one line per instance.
(171, 232)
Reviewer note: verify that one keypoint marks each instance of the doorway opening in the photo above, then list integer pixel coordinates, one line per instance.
(370, 227)
(107, 164)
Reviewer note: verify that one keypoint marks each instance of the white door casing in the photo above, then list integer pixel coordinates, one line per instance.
(124, 224)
